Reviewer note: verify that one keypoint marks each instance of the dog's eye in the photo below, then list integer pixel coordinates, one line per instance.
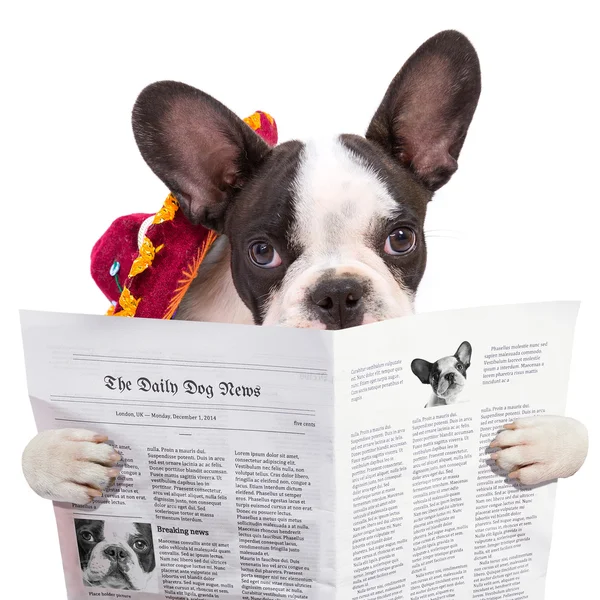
(140, 545)
(86, 536)
(400, 241)
(263, 255)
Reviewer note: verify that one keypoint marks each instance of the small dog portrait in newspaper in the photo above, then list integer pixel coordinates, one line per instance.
(447, 376)
(116, 554)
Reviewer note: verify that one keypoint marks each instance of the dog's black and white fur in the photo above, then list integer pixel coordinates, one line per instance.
(324, 234)
(116, 555)
(446, 376)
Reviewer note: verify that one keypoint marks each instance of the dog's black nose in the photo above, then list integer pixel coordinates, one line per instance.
(339, 302)
(449, 377)
(115, 553)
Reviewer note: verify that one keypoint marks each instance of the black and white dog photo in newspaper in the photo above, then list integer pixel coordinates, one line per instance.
(325, 234)
(447, 376)
(116, 555)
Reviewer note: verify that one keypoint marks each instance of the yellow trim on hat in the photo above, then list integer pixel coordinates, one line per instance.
(147, 252)
(167, 211)
(253, 120)
(145, 258)
(128, 303)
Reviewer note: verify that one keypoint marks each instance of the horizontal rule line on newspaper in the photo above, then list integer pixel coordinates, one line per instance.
(180, 426)
(58, 397)
(197, 363)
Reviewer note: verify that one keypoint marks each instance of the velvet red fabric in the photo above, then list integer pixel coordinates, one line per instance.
(165, 280)
(267, 129)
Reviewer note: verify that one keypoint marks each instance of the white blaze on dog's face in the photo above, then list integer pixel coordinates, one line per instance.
(115, 554)
(324, 234)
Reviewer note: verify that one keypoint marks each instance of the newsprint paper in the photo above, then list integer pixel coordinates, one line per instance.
(262, 463)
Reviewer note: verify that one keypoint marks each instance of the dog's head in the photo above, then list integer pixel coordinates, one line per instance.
(327, 233)
(115, 555)
(448, 375)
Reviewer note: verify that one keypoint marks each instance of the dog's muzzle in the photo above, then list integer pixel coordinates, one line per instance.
(338, 303)
(116, 554)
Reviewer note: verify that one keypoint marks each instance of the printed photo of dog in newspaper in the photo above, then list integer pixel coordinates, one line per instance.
(325, 234)
(115, 554)
(446, 376)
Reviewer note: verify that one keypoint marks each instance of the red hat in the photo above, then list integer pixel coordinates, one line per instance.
(144, 263)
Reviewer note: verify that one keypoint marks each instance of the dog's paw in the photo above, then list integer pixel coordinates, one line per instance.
(538, 449)
(69, 465)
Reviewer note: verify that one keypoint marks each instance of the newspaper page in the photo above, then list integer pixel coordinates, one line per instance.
(264, 463)
(226, 437)
(426, 514)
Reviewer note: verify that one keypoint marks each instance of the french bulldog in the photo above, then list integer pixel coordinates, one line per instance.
(116, 555)
(446, 376)
(326, 233)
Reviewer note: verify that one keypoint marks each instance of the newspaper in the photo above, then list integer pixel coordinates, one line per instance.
(264, 463)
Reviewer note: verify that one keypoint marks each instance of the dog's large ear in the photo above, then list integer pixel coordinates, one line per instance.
(464, 354)
(198, 147)
(427, 109)
(422, 369)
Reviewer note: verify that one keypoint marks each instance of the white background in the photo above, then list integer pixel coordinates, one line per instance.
(518, 222)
